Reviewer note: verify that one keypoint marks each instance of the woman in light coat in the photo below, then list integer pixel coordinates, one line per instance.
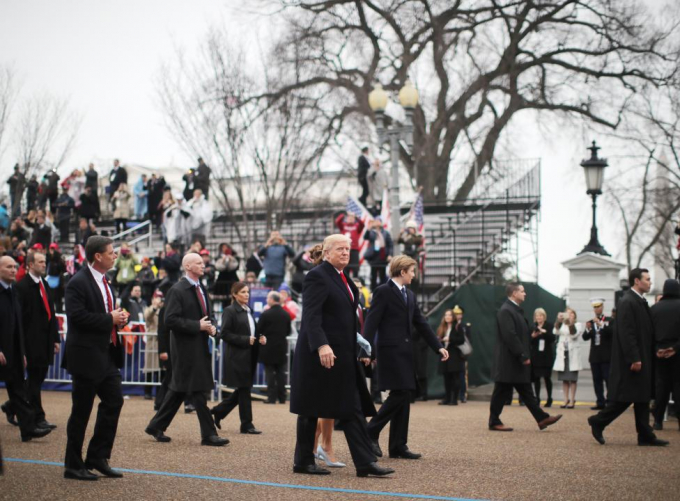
(568, 359)
(121, 211)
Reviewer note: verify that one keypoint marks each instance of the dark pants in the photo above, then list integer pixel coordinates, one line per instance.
(166, 377)
(19, 403)
(276, 382)
(273, 281)
(171, 404)
(356, 435)
(667, 380)
(36, 377)
(452, 385)
(121, 225)
(600, 379)
(64, 228)
(396, 410)
(463, 385)
(353, 266)
(614, 409)
(240, 397)
(548, 388)
(502, 392)
(363, 182)
(377, 275)
(111, 402)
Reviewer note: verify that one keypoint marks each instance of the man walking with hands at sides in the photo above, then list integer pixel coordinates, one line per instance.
(394, 317)
(188, 319)
(512, 362)
(631, 376)
(326, 379)
(93, 356)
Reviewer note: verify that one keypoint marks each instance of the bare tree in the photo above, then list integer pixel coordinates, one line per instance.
(478, 64)
(9, 89)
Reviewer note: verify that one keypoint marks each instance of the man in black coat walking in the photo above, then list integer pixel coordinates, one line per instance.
(666, 318)
(512, 362)
(599, 331)
(12, 354)
(326, 380)
(93, 355)
(632, 365)
(274, 324)
(188, 319)
(394, 317)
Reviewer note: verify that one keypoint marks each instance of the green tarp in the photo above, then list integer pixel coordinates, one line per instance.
(481, 302)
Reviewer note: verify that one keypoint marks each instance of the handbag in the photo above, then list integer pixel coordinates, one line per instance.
(465, 348)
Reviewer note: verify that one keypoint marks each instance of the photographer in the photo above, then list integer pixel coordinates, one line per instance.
(274, 254)
(599, 331)
(568, 359)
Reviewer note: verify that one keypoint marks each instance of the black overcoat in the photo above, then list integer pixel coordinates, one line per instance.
(88, 328)
(240, 358)
(394, 324)
(666, 318)
(328, 317)
(513, 345)
(11, 337)
(274, 324)
(40, 334)
(601, 354)
(545, 358)
(189, 347)
(456, 361)
(633, 342)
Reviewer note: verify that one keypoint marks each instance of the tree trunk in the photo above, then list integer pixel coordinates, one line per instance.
(432, 175)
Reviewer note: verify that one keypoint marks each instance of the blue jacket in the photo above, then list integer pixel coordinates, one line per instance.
(274, 261)
(140, 203)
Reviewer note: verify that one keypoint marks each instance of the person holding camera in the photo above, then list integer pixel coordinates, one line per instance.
(599, 331)
(274, 254)
(568, 358)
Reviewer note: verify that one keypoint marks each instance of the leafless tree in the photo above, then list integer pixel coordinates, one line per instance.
(477, 63)
(8, 94)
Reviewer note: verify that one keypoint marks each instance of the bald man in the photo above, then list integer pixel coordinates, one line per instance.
(188, 319)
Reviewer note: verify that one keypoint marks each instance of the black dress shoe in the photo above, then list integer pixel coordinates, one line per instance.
(444, 402)
(158, 435)
(45, 424)
(102, 466)
(35, 433)
(658, 426)
(188, 409)
(269, 401)
(215, 441)
(597, 432)
(82, 474)
(375, 447)
(11, 417)
(597, 408)
(405, 454)
(251, 431)
(373, 469)
(548, 403)
(653, 442)
(311, 469)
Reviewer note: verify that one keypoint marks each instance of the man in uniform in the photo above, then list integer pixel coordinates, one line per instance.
(599, 331)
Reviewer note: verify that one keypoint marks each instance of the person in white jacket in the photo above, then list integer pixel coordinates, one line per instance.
(568, 358)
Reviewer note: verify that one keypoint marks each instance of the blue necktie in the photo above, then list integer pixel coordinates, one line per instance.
(403, 293)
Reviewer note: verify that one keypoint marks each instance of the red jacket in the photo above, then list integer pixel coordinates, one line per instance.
(353, 230)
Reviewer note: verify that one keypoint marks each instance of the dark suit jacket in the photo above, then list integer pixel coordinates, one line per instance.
(666, 318)
(40, 334)
(633, 342)
(395, 325)
(603, 353)
(456, 361)
(117, 177)
(274, 324)
(240, 356)
(545, 358)
(89, 328)
(513, 345)
(328, 317)
(11, 338)
(363, 166)
(189, 349)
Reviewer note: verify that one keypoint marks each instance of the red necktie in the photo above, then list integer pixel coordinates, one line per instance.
(204, 309)
(46, 303)
(344, 279)
(109, 302)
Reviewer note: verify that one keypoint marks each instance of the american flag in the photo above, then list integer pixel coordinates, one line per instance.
(362, 213)
(417, 214)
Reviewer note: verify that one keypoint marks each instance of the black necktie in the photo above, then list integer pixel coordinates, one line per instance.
(403, 293)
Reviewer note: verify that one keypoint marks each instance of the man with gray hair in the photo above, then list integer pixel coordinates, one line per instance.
(274, 324)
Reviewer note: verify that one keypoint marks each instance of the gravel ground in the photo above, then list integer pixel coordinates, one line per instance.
(462, 459)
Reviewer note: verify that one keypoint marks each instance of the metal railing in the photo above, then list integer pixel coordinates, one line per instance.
(134, 230)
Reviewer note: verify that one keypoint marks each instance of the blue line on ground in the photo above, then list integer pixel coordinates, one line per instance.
(258, 483)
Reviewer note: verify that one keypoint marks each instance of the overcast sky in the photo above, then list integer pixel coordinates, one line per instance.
(105, 57)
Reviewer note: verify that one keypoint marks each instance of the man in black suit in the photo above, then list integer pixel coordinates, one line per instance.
(599, 331)
(394, 316)
(512, 362)
(12, 354)
(93, 355)
(362, 174)
(274, 324)
(187, 318)
(202, 178)
(117, 177)
(632, 366)
(326, 380)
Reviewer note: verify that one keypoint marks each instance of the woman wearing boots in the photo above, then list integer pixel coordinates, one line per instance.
(452, 332)
(542, 354)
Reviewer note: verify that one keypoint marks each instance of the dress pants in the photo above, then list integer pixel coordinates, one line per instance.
(614, 409)
(240, 397)
(378, 276)
(356, 434)
(171, 404)
(19, 403)
(83, 392)
(667, 381)
(502, 392)
(363, 182)
(276, 382)
(600, 379)
(354, 263)
(452, 382)
(36, 377)
(395, 410)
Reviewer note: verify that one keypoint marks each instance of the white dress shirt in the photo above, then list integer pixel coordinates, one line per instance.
(98, 278)
(195, 283)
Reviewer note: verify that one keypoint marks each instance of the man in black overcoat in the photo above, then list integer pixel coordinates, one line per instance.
(202, 178)
(12, 354)
(666, 318)
(632, 363)
(188, 319)
(599, 331)
(363, 165)
(512, 362)
(326, 380)
(274, 324)
(393, 318)
(93, 355)
(117, 176)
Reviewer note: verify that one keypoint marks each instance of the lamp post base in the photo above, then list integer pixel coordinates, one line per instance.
(595, 248)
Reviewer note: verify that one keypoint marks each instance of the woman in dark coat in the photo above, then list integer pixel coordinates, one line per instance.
(238, 333)
(542, 354)
(452, 333)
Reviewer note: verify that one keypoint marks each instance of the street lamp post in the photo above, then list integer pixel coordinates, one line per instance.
(394, 134)
(594, 171)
